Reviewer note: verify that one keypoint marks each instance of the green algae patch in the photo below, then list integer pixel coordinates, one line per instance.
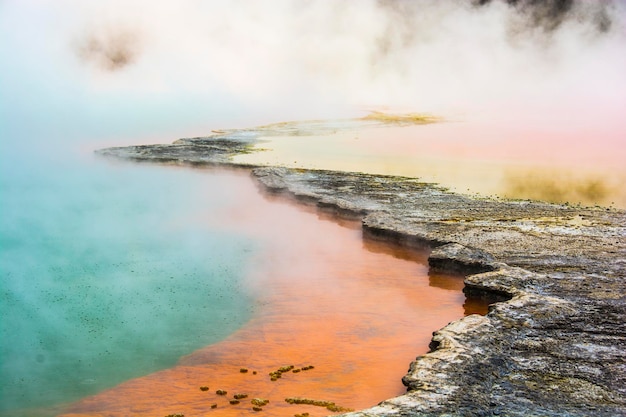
(260, 402)
(329, 405)
(402, 118)
(559, 186)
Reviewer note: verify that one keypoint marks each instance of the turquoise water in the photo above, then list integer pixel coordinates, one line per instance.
(107, 273)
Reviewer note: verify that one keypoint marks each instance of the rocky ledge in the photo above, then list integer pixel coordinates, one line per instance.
(556, 343)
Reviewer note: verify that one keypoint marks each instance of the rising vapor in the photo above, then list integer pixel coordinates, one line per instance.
(112, 50)
(549, 15)
(290, 59)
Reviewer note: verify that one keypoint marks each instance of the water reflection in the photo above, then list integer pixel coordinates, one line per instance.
(474, 303)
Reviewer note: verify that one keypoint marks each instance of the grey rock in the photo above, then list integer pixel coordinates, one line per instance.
(454, 257)
(555, 345)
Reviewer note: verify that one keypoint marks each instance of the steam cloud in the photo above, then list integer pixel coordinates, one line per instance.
(399, 27)
(549, 15)
(111, 50)
(284, 59)
(407, 24)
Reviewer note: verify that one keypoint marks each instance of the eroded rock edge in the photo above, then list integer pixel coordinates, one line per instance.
(555, 348)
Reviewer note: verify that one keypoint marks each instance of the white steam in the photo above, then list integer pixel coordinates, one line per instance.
(283, 59)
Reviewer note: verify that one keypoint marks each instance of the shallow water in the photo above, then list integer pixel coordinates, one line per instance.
(563, 163)
(107, 275)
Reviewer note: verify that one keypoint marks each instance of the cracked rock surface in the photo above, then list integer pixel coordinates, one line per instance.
(556, 345)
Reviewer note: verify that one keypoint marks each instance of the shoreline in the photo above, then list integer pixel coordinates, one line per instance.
(555, 347)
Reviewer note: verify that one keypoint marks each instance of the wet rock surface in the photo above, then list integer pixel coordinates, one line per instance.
(555, 347)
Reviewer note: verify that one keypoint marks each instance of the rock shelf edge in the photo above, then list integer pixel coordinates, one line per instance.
(555, 345)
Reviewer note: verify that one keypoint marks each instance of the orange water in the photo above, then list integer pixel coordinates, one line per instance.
(358, 311)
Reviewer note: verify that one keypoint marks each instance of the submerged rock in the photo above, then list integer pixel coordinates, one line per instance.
(260, 402)
(555, 345)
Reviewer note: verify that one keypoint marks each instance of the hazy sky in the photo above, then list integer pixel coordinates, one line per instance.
(119, 70)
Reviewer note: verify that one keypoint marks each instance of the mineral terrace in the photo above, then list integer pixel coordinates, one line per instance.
(556, 343)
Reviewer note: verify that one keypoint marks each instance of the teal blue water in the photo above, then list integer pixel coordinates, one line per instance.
(107, 273)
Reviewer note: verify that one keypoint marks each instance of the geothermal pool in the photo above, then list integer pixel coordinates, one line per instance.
(127, 287)
(477, 155)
